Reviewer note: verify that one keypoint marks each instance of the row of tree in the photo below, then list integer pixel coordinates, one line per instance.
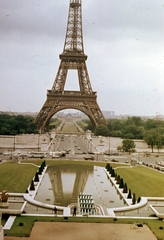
(123, 186)
(152, 131)
(36, 179)
(13, 125)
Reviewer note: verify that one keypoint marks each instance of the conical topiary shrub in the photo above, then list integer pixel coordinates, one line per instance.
(113, 173)
(121, 183)
(32, 187)
(116, 176)
(139, 200)
(129, 194)
(134, 199)
(36, 179)
(118, 179)
(40, 170)
(125, 190)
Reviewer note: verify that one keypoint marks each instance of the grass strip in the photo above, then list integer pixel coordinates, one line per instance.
(82, 162)
(142, 181)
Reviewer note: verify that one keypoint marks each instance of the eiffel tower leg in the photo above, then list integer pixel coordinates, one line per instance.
(84, 82)
(58, 86)
(60, 79)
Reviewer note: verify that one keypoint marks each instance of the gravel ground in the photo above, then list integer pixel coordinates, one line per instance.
(86, 231)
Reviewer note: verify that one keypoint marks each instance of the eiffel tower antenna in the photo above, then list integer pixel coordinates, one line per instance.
(73, 57)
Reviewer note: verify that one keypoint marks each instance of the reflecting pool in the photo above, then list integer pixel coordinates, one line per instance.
(62, 184)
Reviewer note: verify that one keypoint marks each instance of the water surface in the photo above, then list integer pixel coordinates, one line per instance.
(63, 183)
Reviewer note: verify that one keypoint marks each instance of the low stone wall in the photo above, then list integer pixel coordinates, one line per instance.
(25, 142)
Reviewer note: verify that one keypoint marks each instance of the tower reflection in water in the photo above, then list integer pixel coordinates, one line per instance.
(67, 182)
(63, 183)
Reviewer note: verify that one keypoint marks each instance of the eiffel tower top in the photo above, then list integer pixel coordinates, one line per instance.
(74, 36)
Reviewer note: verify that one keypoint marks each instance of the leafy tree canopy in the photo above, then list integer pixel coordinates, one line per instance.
(102, 130)
(12, 125)
(128, 145)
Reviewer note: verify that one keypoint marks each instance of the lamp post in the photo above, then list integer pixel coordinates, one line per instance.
(14, 142)
(109, 145)
(38, 141)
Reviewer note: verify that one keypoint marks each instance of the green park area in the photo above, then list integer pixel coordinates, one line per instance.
(141, 180)
(15, 178)
(69, 127)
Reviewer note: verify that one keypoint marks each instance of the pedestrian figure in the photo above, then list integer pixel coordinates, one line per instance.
(55, 211)
(74, 211)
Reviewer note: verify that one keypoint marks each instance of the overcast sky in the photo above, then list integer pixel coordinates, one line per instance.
(124, 41)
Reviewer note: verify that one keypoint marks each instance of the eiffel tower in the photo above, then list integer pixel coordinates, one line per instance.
(73, 57)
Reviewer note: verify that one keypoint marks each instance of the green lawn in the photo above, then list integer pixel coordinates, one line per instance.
(28, 223)
(142, 181)
(16, 177)
(61, 161)
(69, 127)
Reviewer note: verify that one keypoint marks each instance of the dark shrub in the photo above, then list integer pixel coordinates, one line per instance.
(125, 190)
(36, 179)
(121, 183)
(32, 187)
(134, 199)
(129, 194)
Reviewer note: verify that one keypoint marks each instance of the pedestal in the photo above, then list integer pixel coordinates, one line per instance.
(4, 204)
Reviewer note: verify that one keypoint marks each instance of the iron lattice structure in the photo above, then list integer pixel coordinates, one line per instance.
(73, 57)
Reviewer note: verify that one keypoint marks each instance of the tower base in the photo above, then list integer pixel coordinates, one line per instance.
(57, 101)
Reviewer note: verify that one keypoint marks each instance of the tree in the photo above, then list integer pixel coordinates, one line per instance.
(40, 170)
(32, 187)
(150, 124)
(102, 130)
(12, 125)
(152, 138)
(108, 167)
(121, 183)
(129, 194)
(128, 145)
(113, 173)
(125, 190)
(118, 179)
(159, 143)
(134, 198)
(115, 176)
(36, 177)
(139, 200)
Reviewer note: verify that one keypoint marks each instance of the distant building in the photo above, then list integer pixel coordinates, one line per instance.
(109, 114)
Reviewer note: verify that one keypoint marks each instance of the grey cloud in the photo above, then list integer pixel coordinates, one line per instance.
(33, 17)
(122, 15)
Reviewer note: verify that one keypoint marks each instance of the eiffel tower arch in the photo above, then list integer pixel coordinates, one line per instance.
(73, 57)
